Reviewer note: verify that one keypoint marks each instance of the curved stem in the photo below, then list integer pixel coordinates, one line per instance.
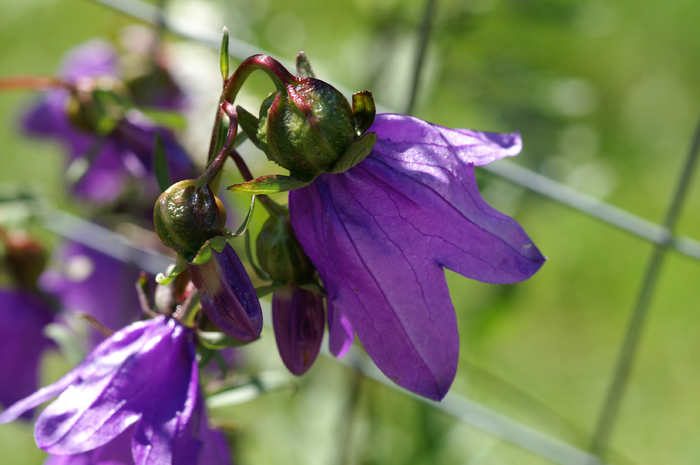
(32, 83)
(215, 166)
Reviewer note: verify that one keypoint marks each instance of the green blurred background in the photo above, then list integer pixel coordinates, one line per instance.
(606, 97)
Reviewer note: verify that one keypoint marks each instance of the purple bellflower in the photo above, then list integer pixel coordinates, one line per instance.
(96, 284)
(381, 204)
(381, 233)
(143, 379)
(23, 316)
(123, 152)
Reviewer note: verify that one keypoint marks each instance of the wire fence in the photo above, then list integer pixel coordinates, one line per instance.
(457, 406)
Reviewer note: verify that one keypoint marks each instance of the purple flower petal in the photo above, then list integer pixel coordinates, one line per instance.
(340, 331)
(227, 295)
(215, 450)
(380, 233)
(23, 316)
(115, 452)
(93, 58)
(144, 376)
(298, 320)
(94, 283)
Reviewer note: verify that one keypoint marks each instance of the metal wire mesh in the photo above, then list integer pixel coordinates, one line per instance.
(457, 406)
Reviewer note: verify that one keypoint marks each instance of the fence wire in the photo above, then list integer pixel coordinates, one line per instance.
(453, 404)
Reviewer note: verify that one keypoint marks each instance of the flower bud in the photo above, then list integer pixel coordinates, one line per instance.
(307, 128)
(280, 254)
(186, 216)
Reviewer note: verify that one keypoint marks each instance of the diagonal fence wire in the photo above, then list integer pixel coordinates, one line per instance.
(453, 404)
(611, 405)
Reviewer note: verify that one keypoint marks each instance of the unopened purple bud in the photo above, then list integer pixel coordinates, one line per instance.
(227, 295)
(298, 320)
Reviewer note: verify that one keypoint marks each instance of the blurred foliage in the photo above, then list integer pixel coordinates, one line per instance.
(605, 95)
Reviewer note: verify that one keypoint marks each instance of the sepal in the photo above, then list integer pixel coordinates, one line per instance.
(269, 184)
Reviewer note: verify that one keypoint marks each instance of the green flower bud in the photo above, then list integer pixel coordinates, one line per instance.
(307, 129)
(187, 215)
(280, 254)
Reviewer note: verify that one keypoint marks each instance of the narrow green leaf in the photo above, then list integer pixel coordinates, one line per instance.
(160, 163)
(304, 68)
(164, 118)
(172, 272)
(269, 184)
(355, 153)
(249, 124)
(267, 290)
(223, 55)
(217, 340)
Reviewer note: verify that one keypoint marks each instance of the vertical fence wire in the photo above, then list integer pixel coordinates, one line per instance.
(613, 399)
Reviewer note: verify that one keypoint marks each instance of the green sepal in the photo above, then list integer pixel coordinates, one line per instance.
(355, 153)
(160, 165)
(223, 55)
(166, 119)
(267, 290)
(243, 227)
(313, 287)
(249, 124)
(205, 255)
(221, 134)
(204, 355)
(304, 68)
(172, 272)
(217, 340)
(270, 184)
(262, 274)
(363, 110)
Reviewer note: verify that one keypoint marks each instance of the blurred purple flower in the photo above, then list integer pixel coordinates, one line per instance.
(96, 284)
(381, 233)
(126, 152)
(23, 316)
(143, 377)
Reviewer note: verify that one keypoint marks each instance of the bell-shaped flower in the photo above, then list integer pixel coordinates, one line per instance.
(23, 316)
(91, 282)
(103, 158)
(381, 233)
(144, 378)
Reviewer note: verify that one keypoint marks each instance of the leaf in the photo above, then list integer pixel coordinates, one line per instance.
(164, 118)
(217, 340)
(249, 124)
(172, 272)
(223, 55)
(355, 153)
(250, 388)
(269, 184)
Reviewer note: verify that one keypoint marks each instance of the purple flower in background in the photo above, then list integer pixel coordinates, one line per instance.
(111, 159)
(23, 316)
(381, 233)
(96, 284)
(143, 378)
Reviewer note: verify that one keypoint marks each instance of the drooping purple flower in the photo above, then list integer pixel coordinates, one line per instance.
(23, 316)
(96, 284)
(298, 321)
(227, 295)
(124, 153)
(144, 376)
(381, 233)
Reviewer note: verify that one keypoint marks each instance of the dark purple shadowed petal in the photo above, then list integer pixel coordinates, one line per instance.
(340, 331)
(380, 233)
(227, 295)
(94, 283)
(23, 316)
(215, 450)
(298, 320)
(115, 452)
(93, 58)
